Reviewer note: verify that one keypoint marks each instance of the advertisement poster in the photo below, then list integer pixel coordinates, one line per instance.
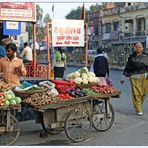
(68, 33)
(18, 11)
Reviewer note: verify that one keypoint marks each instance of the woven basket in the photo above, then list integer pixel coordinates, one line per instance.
(27, 93)
(89, 85)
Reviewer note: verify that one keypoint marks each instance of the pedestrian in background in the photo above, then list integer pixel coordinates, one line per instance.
(137, 71)
(27, 54)
(101, 70)
(101, 67)
(59, 63)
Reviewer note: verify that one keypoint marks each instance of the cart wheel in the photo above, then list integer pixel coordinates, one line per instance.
(9, 137)
(46, 127)
(78, 125)
(102, 121)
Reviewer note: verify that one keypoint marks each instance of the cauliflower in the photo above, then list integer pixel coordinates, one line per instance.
(85, 81)
(77, 74)
(70, 76)
(84, 75)
(83, 70)
(78, 80)
(91, 74)
(92, 79)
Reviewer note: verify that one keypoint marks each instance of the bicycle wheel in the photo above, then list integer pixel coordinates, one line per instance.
(78, 125)
(10, 136)
(102, 121)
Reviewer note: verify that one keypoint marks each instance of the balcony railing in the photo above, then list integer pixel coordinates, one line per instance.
(140, 33)
(128, 34)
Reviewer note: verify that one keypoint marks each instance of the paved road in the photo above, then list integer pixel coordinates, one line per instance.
(127, 130)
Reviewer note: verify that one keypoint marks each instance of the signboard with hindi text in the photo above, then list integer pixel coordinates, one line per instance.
(18, 11)
(68, 33)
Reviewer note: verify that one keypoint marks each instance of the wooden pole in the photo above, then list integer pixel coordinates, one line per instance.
(34, 48)
(86, 44)
(48, 52)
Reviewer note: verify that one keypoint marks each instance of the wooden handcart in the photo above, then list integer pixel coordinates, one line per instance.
(9, 125)
(77, 116)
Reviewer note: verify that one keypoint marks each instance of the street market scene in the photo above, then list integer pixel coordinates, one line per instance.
(77, 80)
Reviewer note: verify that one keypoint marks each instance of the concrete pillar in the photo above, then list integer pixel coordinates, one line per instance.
(122, 25)
(112, 26)
(142, 25)
(146, 25)
(134, 27)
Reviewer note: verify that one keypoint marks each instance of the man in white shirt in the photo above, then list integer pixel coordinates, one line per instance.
(27, 54)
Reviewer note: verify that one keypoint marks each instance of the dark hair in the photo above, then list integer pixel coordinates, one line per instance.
(99, 50)
(11, 46)
(25, 44)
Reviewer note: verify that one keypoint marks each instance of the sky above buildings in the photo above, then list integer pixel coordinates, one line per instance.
(62, 9)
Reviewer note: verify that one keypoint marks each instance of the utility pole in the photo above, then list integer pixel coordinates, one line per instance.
(53, 11)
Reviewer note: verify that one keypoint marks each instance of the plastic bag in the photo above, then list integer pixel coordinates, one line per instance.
(109, 81)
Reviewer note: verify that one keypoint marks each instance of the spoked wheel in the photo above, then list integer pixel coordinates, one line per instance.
(46, 126)
(78, 125)
(10, 136)
(101, 120)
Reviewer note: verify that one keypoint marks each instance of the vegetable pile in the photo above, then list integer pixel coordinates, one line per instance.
(89, 92)
(3, 86)
(43, 98)
(2, 99)
(9, 99)
(82, 76)
(63, 87)
(104, 89)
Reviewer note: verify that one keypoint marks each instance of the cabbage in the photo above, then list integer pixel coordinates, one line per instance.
(9, 96)
(6, 102)
(12, 102)
(18, 100)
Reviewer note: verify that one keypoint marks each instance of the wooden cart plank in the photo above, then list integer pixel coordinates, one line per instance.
(13, 107)
(75, 101)
(63, 103)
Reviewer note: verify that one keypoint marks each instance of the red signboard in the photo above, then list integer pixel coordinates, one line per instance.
(18, 11)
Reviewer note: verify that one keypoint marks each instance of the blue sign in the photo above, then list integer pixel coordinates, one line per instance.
(11, 28)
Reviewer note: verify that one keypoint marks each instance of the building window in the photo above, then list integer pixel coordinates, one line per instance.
(115, 26)
(108, 27)
(139, 27)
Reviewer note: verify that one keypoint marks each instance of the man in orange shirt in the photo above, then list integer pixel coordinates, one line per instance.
(11, 66)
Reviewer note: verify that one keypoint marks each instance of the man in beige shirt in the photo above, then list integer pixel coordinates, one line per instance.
(26, 54)
(12, 67)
